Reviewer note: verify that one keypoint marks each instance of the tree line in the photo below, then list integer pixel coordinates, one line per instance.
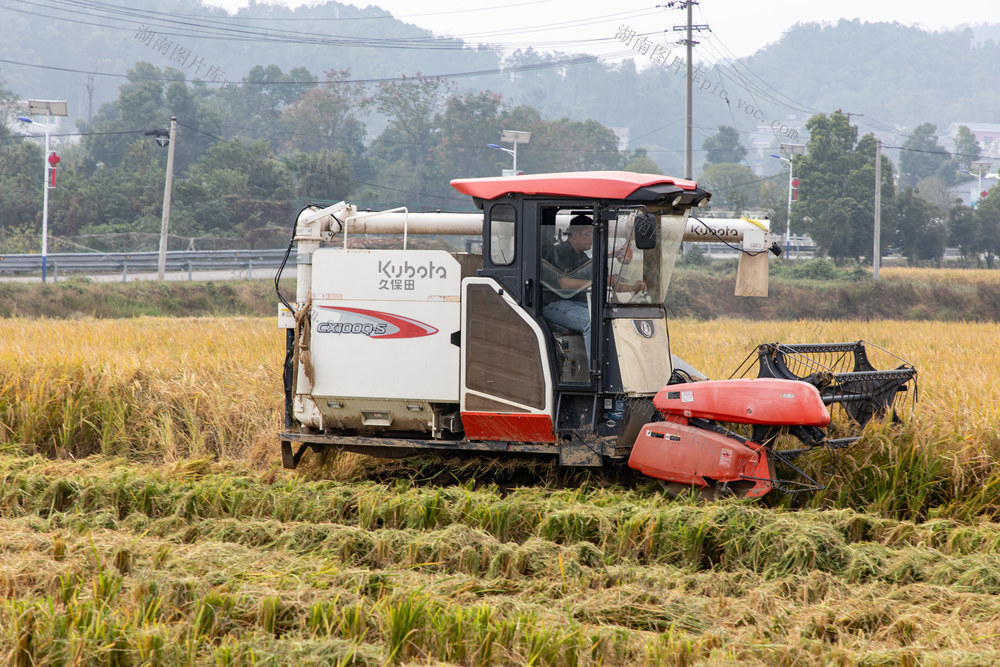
(835, 202)
(247, 156)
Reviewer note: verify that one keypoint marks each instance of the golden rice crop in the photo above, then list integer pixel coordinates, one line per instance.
(959, 382)
(162, 389)
(153, 386)
(944, 276)
(107, 561)
(110, 559)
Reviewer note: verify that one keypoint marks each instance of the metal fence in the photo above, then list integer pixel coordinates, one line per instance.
(144, 262)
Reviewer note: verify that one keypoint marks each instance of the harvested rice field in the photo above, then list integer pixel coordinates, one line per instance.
(147, 521)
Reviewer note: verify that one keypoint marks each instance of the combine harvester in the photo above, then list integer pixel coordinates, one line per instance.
(551, 341)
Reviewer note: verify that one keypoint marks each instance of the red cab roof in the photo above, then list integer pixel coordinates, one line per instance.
(590, 184)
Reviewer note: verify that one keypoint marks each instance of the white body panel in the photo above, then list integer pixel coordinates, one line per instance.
(382, 322)
(643, 354)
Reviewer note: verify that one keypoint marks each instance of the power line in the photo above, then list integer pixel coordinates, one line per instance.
(368, 18)
(112, 17)
(13, 137)
(529, 67)
(930, 152)
(795, 104)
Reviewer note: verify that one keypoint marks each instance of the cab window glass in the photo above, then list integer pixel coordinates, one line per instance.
(503, 229)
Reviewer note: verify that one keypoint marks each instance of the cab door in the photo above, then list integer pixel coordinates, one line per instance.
(506, 381)
(567, 276)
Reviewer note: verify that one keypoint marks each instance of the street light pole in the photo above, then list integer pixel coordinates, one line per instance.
(877, 245)
(790, 150)
(45, 204)
(788, 217)
(508, 152)
(49, 108)
(514, 137)
(980, 166)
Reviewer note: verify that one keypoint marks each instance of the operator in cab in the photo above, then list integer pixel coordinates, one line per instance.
(564, 302)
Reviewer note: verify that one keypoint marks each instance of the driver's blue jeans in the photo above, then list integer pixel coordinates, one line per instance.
(573, 315)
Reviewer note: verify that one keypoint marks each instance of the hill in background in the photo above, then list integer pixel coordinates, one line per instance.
(890, 77)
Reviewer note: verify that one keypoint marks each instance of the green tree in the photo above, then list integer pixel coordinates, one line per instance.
(563, 144)
(250, 110)
(147, 101)
(198, 126)
(922, 156)
(235, 187)
(325, 118)
(571, 145)
(774, 200)
(733, 186)
(837, 177)
(411, 106)
(114, 198)
(468, 124)
(967, 147)
(723, 147)
(457, 141)
(21, 173)
(321, 175)
(935, 190)
(963, 230)
(920, 231)
(988, 219)
(951, 171)
(640, 163)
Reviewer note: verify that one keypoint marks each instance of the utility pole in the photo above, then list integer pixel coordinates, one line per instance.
(688, 110)
(877, 251)
(161, 264)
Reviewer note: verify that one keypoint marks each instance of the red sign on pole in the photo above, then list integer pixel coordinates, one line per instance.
(53, 161)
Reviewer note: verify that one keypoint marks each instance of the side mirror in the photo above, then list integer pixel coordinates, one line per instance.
(645, 231)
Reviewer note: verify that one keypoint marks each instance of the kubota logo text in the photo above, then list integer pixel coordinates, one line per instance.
(372, 323)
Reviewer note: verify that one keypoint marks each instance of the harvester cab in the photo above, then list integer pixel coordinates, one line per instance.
(552, 340)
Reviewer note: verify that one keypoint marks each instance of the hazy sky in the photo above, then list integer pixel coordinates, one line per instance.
(738, 27)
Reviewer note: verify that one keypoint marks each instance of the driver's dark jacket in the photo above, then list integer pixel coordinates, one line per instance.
(567, 260)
